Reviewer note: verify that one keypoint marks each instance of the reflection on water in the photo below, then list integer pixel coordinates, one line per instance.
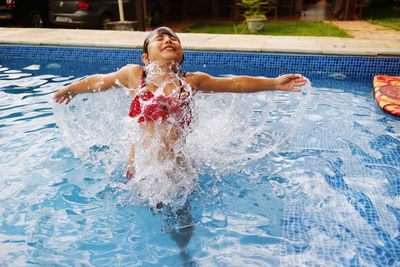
(282, 179)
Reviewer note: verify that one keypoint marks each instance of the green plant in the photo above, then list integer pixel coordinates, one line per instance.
(240, 28)
(256, 8)
(280, 28)
(148, 20)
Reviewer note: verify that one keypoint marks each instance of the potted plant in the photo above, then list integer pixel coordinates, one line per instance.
(254, 12)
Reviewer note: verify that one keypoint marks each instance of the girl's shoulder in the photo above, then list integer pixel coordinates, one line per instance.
(133, 73)
(195, 78)
(133, 69)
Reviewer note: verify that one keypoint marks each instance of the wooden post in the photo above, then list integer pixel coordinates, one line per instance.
(145, 12)
(215, 8)
(235, 12)
(185, 10)
(350, 10)
(121, 10)
(140, 15)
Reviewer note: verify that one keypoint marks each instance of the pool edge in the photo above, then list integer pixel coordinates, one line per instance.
(203, 42)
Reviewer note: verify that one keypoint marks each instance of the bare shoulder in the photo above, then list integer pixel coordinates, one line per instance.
(195, 79)
(131, 74)
(132, 69)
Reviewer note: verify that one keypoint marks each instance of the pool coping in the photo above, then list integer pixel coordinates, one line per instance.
(203, 42)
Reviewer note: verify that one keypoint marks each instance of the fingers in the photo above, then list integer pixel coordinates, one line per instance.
(59, 99)
(69, 98)
(63, 98)
(299, 77)
(294, 86)
(296, 82)
(291, 82)
(299, 80)
(64, 95)
(296, 76)
(292, 76)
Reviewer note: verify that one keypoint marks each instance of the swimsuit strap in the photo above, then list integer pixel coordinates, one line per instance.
(182, 88)
(143, 81)
(182, 85)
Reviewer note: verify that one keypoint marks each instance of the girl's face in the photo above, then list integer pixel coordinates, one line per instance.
(165, 48)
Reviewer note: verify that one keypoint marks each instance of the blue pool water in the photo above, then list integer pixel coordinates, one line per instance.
(308, 179)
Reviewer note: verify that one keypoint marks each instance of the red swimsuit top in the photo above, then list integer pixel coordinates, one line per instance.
(175, 108)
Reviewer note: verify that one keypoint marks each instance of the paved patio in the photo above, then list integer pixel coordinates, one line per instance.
(361, 29)
(369, 40)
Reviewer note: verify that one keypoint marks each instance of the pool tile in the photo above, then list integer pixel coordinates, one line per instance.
(365, 66)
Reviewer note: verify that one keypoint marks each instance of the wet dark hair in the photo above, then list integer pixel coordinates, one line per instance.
(157, 32)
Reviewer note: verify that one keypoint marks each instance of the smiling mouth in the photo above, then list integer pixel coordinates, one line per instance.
(168, 48)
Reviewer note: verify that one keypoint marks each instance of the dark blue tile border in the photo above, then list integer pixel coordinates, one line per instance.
(219, 62)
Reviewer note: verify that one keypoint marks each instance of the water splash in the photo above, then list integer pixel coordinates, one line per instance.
(336, 187)
(227, 134)
(93, 127)
(97, 129)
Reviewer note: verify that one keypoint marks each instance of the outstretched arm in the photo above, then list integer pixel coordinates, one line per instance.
(97, 83)
(246, 84)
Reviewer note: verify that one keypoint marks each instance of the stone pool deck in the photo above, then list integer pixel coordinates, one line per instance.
(371, 43)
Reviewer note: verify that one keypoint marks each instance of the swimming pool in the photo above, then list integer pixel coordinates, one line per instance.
(284, 179)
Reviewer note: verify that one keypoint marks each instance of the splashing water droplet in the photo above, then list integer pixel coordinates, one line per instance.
(227, 134)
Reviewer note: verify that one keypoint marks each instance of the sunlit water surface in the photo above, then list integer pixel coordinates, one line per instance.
(281, 178)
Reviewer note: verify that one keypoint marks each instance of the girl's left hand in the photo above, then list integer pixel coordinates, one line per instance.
(290, 82)
(64, 95)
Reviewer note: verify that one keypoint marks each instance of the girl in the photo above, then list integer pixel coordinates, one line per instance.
(163, 95)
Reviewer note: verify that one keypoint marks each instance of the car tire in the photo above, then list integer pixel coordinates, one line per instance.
(104, 19)
(36, 19)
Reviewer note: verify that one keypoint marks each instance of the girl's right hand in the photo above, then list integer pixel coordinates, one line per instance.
(63, 95)
(290, 82)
